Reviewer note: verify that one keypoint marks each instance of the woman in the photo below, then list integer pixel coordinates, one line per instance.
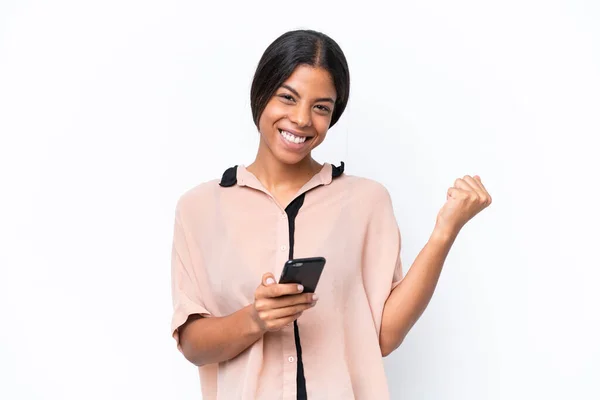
(253, 338)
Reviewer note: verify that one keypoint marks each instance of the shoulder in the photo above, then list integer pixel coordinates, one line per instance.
(198, 197)
(366, 190)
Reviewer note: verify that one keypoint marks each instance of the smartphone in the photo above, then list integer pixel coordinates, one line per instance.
(305, 271)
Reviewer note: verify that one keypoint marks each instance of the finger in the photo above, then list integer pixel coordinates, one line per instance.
(461, 184)
(278, 324)
(285, 312)
(268, 279)
(457, 193)
(477, 180)
(282, 289)
(286, 301)
(488, 198)
(473, 183)
(471, 193)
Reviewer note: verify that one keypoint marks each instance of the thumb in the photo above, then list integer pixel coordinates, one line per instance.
(268, 279)
(452, 193)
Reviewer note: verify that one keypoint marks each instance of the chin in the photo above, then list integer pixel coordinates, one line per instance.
(289, 158)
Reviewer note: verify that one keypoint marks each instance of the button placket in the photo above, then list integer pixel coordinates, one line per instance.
(281, 244)
(288, 344)
(289, 363)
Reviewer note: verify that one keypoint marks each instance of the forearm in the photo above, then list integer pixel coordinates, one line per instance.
(216, 339)
(409, 299)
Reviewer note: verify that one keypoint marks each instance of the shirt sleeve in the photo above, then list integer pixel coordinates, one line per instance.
(185, 269)
(382, 265)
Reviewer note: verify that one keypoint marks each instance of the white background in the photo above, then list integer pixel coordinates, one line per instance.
(111, 110)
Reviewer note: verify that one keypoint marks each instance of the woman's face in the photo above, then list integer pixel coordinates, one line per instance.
(297, 117)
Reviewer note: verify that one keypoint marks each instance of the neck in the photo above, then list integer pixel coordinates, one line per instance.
(276, 176)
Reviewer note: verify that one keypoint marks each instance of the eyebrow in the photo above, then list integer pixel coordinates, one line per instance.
(291, 89)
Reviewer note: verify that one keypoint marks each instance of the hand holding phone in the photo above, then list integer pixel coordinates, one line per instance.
(277, 305)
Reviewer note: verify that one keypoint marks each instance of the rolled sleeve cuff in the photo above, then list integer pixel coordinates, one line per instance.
(180, 315)
(396, 283)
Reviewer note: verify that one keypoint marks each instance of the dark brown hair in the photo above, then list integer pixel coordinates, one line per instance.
(294, 48)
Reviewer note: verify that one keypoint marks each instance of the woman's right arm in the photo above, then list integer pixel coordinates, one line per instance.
(216, 339)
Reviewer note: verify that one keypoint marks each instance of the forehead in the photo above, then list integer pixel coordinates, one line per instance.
(311, 82)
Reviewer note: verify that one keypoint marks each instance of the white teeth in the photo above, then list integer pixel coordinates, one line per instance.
(292, 138)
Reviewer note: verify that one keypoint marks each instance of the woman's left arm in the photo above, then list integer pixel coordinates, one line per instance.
(409, 299)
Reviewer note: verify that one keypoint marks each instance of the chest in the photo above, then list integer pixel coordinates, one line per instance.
(256, 237)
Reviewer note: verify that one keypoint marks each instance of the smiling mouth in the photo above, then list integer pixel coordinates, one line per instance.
(290, 137)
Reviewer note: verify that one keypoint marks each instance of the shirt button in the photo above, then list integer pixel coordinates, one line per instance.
(282, 248)
(283, 215)
(291, 359)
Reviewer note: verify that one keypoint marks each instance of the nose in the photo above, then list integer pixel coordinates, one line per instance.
(301, 116)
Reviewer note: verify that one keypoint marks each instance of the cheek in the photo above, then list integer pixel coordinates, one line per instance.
(264, 121)
(321, 125)
(275, 108)
(271, 114)
(321, 137)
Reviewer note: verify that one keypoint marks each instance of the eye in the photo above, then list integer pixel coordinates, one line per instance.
(323, 108)
(286, 97)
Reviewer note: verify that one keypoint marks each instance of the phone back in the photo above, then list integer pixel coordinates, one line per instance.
(305, 271)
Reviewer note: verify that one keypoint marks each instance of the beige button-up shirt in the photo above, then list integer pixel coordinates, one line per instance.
(229, 232)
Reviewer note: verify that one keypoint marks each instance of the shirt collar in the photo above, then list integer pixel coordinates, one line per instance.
(242, 177)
